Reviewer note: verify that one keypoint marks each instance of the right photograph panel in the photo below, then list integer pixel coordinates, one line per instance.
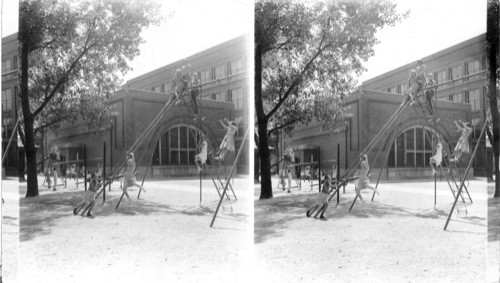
(377, 141)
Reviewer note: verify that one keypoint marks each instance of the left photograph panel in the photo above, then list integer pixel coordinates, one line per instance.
(125, 141)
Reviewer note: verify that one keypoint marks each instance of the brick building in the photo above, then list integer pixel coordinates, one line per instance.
(171, 149)
(10, 102)
(461, 70)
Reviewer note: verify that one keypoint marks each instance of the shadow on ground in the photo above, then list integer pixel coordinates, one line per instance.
(39, 215)
(272, 216)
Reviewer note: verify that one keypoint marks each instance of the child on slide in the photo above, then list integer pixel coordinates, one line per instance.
(129, 178)
(227, 143)
(363, 181)
(321, 200)
(88, 198)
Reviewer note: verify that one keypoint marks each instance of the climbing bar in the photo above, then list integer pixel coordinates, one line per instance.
(465, 175)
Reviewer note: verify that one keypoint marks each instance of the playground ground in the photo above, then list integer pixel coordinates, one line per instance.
(397, 238)
(493, 235)
(164, 237)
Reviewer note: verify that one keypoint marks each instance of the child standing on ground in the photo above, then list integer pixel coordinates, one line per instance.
(129, 179)
(201, 157)
(321, 200)
(436, 159)
(88, 197)
(363, 180)
(227, 143)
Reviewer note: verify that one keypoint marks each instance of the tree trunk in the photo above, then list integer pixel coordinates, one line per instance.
(492, 45)
(29, 145)
(266, 188)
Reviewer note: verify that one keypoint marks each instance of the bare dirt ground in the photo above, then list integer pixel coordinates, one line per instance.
(493, 236)
(165, 237)
(397, 238)
(10, 229)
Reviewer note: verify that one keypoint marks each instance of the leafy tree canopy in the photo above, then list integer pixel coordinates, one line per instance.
(76, 52)
(310, 54)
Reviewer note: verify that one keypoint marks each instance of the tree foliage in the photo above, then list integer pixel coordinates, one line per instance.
(307, 57)
(71, 57)
(76, 52)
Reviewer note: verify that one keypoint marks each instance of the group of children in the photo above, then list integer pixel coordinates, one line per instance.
(417, 82)
(180, 86)
(362, 183)
(186, 83)
(129, 180)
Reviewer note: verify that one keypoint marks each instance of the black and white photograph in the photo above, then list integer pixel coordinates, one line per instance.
(127, 141)
(250, 141)
(374, 124)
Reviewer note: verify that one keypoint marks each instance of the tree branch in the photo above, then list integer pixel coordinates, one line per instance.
(55, 121)
(281, 126)
(296, 82)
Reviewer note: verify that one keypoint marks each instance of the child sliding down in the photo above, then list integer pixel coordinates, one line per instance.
(129, 179)
(321, 200)
(227, 143)
(88, 197)
(363, 180)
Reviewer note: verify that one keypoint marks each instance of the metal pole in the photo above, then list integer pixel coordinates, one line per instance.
(435, 190)
(465, 176)
(338, 169)
(230, 175)
(110, 150)
(319, 169)
(85, 166)
(104, 173)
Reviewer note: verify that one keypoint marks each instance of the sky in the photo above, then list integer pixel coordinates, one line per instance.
(194, 25)
(431, 26)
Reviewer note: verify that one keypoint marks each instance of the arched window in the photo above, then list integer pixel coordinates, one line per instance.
(177, 146)
(412, 148)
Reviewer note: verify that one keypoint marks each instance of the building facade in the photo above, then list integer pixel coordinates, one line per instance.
(10, 101)
(460, 71)
(171, 148)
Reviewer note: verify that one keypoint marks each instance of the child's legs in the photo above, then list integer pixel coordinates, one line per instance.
(125, 187)
(91, 206)
(323, 209)
(432, 163)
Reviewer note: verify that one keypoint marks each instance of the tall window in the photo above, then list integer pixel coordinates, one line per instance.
(442, 77)
(177, 146)
(7, 128)
(413, 148)
(6, 99)
(238, 98)
(457, 97)
(456, 73)
(219, 72)
(205, 76)
(473, 67)
(235, 67)
(6, 66)
(474, 100)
